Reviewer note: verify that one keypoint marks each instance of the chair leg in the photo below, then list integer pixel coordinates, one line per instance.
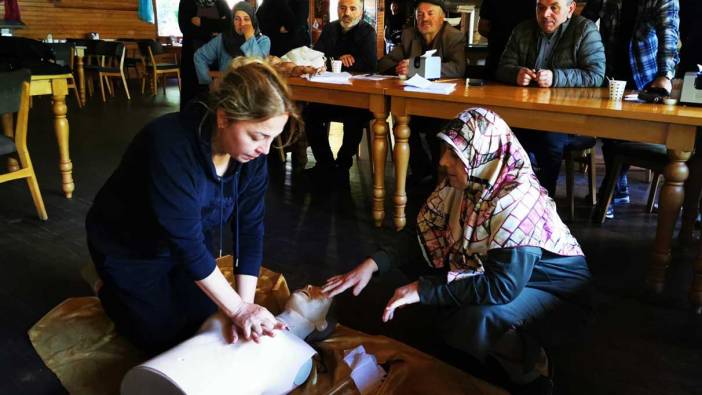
(570, 181)
(163, 83)
(154, 83)
(653, 191)
(605, 200)
(126, 88)
(36, 196)
(178, 74)
(592, 175)
(102, 89)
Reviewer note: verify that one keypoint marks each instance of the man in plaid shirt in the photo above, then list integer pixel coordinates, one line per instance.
(640, 39)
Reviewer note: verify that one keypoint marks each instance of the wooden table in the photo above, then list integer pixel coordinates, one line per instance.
(580, 111)
(57, 87)
(359, 94)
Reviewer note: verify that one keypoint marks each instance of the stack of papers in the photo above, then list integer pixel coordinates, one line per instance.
(420, 84)
(328, 77)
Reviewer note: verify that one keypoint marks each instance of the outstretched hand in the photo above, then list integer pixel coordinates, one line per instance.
(253, 321)
(406, 295)
(357, 278)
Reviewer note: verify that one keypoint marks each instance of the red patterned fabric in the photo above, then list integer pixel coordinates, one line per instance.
(12, 12)
(504, 207)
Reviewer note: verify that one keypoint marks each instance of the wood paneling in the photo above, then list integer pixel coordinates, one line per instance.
(43, 17)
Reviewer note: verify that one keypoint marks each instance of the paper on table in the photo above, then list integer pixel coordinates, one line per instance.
(418, 81)
(365, 371)
(328, 77)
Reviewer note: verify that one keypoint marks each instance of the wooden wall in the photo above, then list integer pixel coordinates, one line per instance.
(77, 18)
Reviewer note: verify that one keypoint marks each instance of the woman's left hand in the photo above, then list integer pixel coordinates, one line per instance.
(403, 296)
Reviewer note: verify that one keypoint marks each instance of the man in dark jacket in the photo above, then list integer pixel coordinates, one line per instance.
(285, 23)
(351, 40)
(556, 49)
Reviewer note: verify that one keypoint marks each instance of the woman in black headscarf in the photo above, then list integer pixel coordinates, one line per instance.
(198, 20)
(241, 38)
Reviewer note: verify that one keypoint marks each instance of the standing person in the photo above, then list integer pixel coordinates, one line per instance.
(351, 40)
(505, 277)
(285, 23)
(242, 38)
(497, 20)
(156, 225)
(198, 20)
(641, 45)
(431, 32)
(394, 24)
(555, 49)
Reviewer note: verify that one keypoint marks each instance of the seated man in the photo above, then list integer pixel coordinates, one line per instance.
(641, 46)
(431, 32)
(351, 40)
(557, 49)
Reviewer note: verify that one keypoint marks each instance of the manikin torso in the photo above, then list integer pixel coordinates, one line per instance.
(208, 364)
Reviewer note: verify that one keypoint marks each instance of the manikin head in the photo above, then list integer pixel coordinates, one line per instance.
(311, 303)
(350, 13)
(550, 14)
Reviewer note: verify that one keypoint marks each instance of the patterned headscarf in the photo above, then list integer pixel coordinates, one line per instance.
(504, 207)
(204, 3)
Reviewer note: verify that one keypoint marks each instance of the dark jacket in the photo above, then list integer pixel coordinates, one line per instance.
(187, 9)
(449, 43)
(358, 42)
(291, 14)
(577, 60)
(166, 200)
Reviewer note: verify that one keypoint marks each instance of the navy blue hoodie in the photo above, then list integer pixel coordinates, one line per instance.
(166, 200)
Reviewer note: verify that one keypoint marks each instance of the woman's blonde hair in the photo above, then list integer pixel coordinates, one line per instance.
(251, 90)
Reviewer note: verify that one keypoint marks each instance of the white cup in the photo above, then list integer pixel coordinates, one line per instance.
(616, 90)
(336, 66)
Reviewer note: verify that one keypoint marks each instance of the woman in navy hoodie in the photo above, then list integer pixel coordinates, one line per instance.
(155, 223)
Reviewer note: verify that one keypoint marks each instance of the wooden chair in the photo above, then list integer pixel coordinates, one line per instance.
(648, 156)
(111, 55)
(14, 97)
(151, 52)
(64, 55)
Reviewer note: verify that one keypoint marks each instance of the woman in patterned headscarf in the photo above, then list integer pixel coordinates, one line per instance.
(501, 258)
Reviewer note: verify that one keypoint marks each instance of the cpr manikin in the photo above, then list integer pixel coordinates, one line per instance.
(208, 364)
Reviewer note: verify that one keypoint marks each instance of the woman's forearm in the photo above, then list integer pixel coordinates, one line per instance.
(246, 287)
(217, 288)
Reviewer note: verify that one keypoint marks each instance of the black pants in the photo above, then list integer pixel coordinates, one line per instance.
(548, 149)
(190, 88)
(153, 302)
(424, 146)
(317, 118)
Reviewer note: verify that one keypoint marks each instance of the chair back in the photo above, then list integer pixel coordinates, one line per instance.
(148, 49)
(11, 85)
(112, 53)
(64, 53)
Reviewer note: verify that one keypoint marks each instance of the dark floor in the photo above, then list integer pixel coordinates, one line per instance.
(635, 346)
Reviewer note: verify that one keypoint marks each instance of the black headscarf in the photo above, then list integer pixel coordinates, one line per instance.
(230, 38)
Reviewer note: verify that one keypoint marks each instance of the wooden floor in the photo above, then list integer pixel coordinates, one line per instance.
(636, 345)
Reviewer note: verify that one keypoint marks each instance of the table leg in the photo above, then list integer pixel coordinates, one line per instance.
(61, 129)
(671, 199)
(380, 152)
(9, 130)
(401, 155)
(81, 81)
